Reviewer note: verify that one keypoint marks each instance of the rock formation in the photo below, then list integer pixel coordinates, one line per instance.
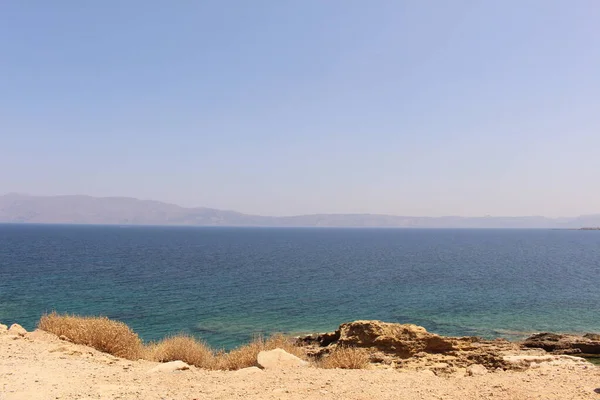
(403, 341)
(411, 346)
(587, 344)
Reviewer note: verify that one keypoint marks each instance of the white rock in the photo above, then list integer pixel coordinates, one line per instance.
(170, 367)
(3, 329)
(279, 359)
(537, 361)
(476, 370)
(249, 371)
(17, 330)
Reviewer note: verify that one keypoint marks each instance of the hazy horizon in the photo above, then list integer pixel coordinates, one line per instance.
(293, 215)
(413, 108)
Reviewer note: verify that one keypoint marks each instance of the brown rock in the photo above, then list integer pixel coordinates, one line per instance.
(442, 369)
(320, 339)
(592, 336)
(565, 344)
(403, 340)
(410, 346)
(476, 370)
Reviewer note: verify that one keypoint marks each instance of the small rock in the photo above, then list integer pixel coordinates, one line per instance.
(279, 359)
(3, 329)
(442, 369)
(170, 367)
(248, 371)
(16, 329)
(476, 370)
(40, 335)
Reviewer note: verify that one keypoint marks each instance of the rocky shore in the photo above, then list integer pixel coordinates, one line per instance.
(406, 362)
(412, 347)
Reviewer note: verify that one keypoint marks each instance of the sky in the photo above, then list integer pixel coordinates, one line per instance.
(416, 108)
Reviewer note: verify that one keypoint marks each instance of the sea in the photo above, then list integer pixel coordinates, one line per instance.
(228, 285)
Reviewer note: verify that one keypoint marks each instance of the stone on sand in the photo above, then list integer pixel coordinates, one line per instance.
(16, 329)
(171, 366)
(249, 371)
(279, 359)
(476, 370)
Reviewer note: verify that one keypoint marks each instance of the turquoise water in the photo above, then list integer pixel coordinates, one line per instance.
(227, 284)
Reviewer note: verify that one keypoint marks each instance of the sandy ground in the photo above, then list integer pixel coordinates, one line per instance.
(40, 366)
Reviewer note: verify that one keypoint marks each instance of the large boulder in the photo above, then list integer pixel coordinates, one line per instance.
(402, 340)
(17, 330)
(565, 344)
(279, 359)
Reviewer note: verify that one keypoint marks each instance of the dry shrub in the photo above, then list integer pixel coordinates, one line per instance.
(346, 358)
(181, 347)
(241, 357)
(118, 339)
(246, 355)
(101, 333)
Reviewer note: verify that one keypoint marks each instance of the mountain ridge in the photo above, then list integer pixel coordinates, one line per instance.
(84, 209)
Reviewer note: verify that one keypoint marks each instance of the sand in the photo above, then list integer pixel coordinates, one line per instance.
(40, 366)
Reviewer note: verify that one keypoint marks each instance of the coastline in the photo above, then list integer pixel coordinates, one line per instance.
(39, 365)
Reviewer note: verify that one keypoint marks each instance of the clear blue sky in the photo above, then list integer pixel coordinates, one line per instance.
(288, 107)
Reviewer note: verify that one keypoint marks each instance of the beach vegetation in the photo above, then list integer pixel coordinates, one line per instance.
(116, 338)
(101, 333)
(346, 358)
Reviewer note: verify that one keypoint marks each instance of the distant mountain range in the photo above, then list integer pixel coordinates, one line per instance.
(18, 208)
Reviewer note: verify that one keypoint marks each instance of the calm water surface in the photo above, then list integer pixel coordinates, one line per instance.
(227, 284)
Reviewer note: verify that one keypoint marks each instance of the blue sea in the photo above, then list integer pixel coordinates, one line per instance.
(226, 285)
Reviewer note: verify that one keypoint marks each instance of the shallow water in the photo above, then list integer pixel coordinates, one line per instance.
(228, 284)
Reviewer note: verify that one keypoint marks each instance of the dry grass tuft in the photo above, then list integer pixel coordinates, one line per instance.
(245, 356)
(346, 358)
(184, 348)
(240, 357)
(101, 333)
(118, 339)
